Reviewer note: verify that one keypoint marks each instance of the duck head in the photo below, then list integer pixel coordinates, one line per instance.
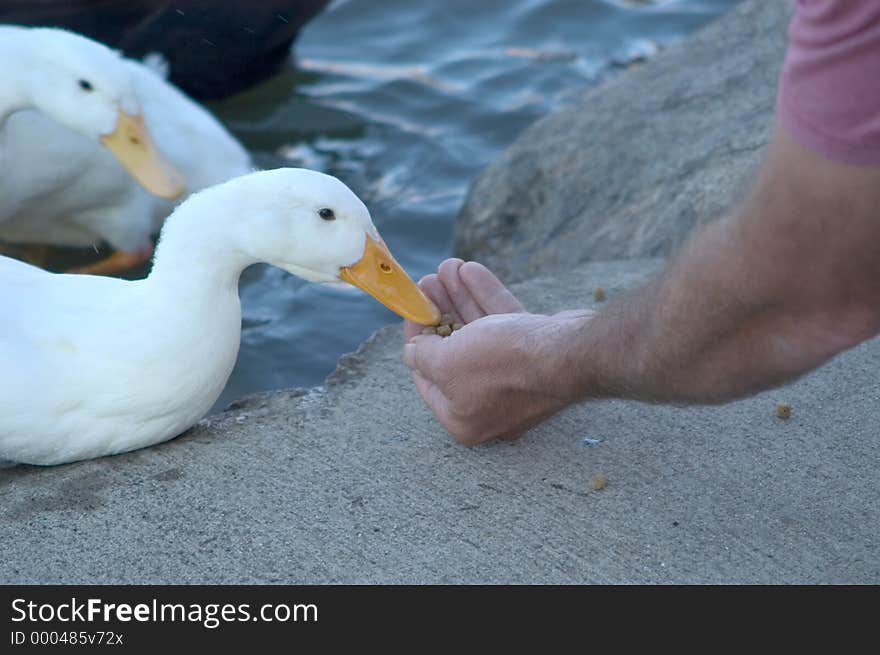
(313, 226)
(85, 86)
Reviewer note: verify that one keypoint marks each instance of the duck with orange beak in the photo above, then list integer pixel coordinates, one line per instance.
(63, 98)
(112, 365)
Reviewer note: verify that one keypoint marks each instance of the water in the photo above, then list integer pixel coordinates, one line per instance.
(407, 101)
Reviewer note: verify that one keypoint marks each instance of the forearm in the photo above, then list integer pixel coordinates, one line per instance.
(756, 299)
(707, 330)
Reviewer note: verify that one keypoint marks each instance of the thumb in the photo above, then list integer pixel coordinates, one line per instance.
(422, 354)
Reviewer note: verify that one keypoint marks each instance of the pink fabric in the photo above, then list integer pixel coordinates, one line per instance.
(829, 93)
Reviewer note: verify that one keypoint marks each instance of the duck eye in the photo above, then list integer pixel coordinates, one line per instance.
(327, 214)
(85, 85)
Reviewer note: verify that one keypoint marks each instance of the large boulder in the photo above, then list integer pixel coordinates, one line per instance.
(631, 167)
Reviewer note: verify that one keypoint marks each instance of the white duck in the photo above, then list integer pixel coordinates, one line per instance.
(93, 365)
(58, 185)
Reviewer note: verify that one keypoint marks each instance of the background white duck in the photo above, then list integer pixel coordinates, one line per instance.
(94, 366)
(58, 185)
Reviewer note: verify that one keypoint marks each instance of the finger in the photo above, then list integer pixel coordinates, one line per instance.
(422, 354)
(488, 291)
(462, 431)
(411, 329)
(433, 397)
(429, 392)
(439, 404)
(465, 306)
(434, 289)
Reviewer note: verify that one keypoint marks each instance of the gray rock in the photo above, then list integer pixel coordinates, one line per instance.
(356, 483)
(631, 167)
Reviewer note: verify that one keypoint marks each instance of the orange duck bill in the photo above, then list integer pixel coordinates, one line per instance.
(382, 277)
(131, 144)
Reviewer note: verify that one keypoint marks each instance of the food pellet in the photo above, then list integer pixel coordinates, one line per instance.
(446, 327)
(598, 482)
(598, 294)
(783, 410)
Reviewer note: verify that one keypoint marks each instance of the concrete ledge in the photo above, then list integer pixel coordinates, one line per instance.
(356, 483)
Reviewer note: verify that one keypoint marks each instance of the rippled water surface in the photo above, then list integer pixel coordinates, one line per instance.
(406, 101)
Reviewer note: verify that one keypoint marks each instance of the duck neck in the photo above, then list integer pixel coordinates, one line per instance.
(198, 252)
(14, 57)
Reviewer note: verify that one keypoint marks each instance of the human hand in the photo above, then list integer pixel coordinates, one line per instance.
(504, 371)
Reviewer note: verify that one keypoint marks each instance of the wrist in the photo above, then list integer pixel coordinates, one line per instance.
(563, 361)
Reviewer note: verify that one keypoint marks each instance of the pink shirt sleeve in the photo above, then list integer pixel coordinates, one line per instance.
(829, 92)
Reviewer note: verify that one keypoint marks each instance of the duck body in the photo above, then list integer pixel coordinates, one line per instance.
(69, 191)
(61, 187)
(95, 366)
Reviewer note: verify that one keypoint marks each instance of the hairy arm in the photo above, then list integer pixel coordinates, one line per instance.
(757, 298)
(768, 293)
